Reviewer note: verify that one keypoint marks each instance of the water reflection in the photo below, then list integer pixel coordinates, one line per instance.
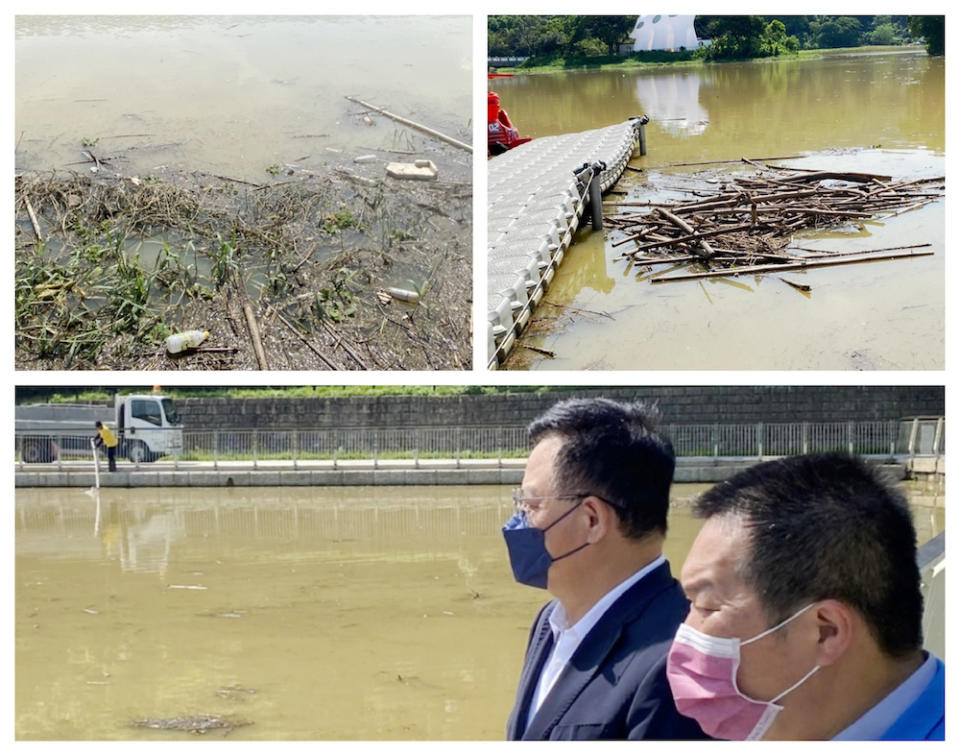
(675, 99)
(231, 94)
(337, 613)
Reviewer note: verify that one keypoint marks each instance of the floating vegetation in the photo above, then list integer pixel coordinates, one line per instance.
(283, 274)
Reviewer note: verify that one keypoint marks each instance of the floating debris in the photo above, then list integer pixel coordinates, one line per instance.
(420, 170)
(197, 724)
(746, 225)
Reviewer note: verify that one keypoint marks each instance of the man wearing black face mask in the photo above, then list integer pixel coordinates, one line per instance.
(589, 527)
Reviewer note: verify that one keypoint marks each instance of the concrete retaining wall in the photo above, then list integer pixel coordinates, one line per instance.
(679, 404)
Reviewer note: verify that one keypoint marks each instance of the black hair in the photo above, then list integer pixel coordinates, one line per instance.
(616, 451)
(828, 526)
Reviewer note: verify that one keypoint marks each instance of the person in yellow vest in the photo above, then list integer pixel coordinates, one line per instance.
(107, 438)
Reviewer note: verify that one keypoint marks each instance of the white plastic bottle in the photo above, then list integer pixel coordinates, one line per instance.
(177, 342)
(405, 295)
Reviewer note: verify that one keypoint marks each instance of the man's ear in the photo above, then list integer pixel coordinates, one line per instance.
(836, 624)
(600, 517)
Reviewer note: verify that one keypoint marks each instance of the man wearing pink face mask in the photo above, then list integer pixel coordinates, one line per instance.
(805, 617)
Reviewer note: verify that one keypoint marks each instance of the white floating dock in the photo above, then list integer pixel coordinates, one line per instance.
(535, 203)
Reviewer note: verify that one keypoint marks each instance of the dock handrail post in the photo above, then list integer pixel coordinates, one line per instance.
(589, 177)
(642, 133)
(596, 202)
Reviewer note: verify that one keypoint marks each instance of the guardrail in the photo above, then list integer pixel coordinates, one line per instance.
(912, 438)
(931, 559)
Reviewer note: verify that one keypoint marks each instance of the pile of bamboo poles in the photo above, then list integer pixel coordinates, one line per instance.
(746, 224)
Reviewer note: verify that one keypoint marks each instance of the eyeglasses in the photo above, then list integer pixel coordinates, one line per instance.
(520, 500)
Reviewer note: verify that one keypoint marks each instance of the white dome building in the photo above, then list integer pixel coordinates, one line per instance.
(664, 33)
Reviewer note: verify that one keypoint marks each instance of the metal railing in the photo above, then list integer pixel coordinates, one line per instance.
(907, 438)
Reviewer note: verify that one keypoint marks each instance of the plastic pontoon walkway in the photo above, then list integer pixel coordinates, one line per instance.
(535, 202)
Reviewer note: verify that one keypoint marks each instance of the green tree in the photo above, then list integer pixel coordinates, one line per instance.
(839, 31)
(608, 30)
(930, 28)
(734, 36)
(883, 34)
(775, 40)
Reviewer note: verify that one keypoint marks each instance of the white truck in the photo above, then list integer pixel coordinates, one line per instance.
(147, 427)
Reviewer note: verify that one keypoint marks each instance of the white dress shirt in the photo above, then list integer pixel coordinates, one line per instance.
(566, 638)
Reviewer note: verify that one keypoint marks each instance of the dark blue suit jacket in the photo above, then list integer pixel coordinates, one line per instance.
(615, 686)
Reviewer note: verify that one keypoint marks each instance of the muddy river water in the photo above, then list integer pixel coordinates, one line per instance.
(879, 113)
(232, 95)
(334, 613)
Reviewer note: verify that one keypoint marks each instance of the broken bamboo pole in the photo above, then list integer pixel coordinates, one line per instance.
(414, 125)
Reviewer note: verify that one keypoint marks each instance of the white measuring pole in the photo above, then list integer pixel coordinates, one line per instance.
(96, 465)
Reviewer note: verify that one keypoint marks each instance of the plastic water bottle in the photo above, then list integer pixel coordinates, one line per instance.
(405, 295)
(177, 342)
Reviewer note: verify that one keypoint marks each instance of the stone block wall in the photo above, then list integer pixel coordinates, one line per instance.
(679, 405)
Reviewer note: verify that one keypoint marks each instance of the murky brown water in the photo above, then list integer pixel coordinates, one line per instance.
(333, 613)
(875, 113)
(233, 95)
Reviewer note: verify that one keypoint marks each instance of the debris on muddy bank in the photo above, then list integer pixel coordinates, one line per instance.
(283, 274)
(746, 224)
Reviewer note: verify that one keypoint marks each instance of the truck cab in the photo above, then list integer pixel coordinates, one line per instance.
(148, 426)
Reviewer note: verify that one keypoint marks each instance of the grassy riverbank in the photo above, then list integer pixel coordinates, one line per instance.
(103, 394)
(554, 63)
(687, 58)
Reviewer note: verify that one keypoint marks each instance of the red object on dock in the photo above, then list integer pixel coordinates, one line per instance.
(502, 135)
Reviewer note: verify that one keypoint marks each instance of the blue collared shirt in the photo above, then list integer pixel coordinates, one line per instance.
(879, 719)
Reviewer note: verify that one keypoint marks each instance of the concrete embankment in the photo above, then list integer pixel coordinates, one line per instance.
(350, 473)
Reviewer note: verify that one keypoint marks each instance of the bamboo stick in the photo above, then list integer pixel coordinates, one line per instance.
(726, 162)
(704, 245)
(414, 125)
(733, 272)
(341, 342)
(302, 338)
(33, 218)
(252, 326)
